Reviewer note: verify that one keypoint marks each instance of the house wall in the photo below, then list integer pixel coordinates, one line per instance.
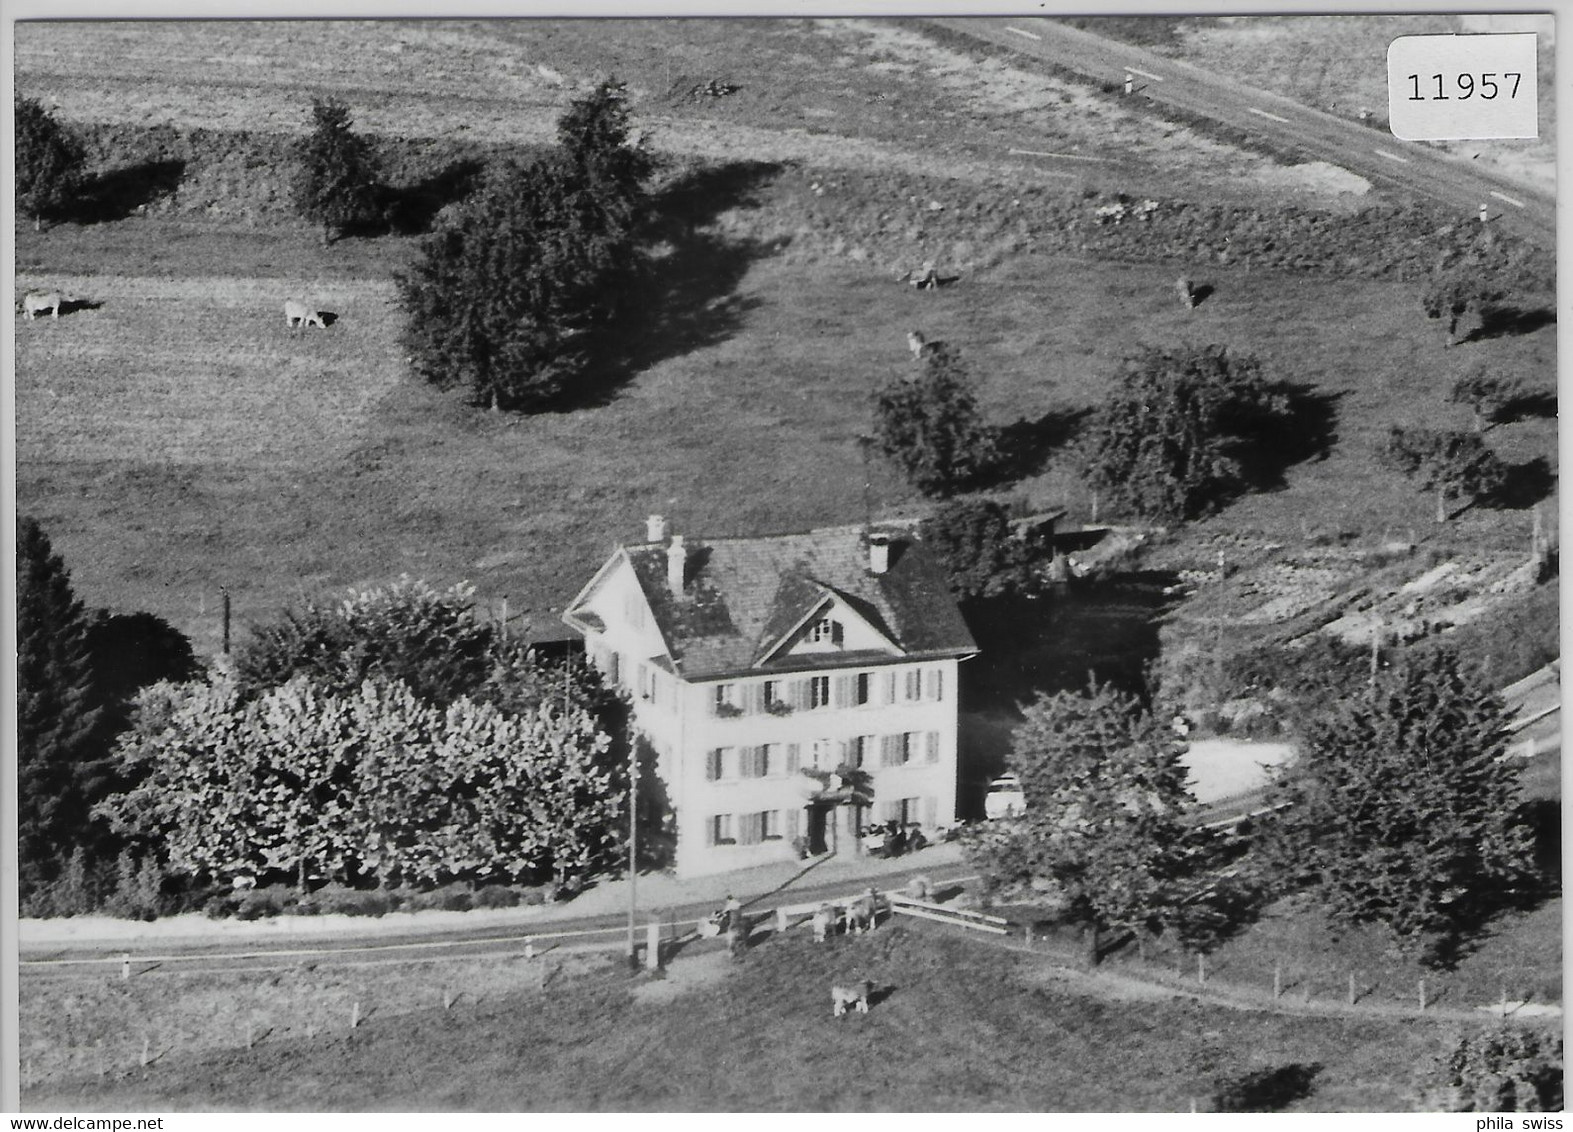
(803, 736)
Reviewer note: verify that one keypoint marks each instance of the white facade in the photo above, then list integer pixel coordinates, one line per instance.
(835, 689)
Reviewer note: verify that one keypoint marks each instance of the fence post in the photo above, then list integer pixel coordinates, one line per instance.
(125, 966)
(1201, 969)
(147, 1050)
(1278, 981)
(1422, 996)
(355, 1014)
(1351, 988)
(652, 947)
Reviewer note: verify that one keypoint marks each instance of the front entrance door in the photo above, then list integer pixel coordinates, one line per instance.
(817, 823)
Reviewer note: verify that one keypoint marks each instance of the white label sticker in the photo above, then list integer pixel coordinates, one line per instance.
(1462, 86)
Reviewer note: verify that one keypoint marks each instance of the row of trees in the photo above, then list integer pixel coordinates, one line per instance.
(1398, 811)
(391, 735)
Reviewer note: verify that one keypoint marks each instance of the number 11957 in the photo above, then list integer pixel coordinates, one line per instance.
(1467, 86)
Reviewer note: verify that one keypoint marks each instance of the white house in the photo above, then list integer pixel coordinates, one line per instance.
(752, 659)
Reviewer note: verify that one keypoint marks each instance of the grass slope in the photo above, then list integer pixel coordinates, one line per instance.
(962, 1026)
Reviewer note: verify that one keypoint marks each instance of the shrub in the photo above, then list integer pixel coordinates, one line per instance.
(1505, 1071)
(496, 896)
(138, 890)
(338, 900)
(337, 183)
(448, 898)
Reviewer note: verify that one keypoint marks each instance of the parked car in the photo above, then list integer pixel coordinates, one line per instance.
(1005, 798)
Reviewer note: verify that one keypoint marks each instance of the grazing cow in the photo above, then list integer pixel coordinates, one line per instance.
(299, 314)
(1187, 292)
(35, 303)
(926, 279)
(824, 921)
(856, 995)
(922, 347)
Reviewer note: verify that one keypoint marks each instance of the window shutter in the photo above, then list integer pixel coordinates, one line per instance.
(792, 820)
(753, 698)
(931, 813)
(794, 754)
(713, 765)
(801, 695)
(731, 758)
(843, 690)
(936, 683)
(889, 750)
(890, 687)
(933, 746)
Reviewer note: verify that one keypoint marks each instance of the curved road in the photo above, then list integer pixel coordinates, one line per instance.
(1376, 155)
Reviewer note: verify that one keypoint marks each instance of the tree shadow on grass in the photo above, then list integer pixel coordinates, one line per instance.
(410, 209)
(118, 193)
(1023, 448)
(1538, 404)
(683, 298)
(1524, 485)
(1265, 1090)
(1506, 322)
(1270, 443)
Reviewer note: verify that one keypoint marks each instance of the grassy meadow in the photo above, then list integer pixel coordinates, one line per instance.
(958, 1024)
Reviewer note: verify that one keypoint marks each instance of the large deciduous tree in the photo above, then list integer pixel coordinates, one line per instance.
(929, 424)
(61, 767)
(1178, 433)
(504, 299)
(338, 181)
(308, 782)
(1487, 395)
(1399, 809)
(49, 163)
(1455, 464)
(1106, 802)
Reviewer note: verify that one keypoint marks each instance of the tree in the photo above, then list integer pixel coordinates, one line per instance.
(504, 299)
(337, 183)
(131, 651)
(982, 555)
(1452, 463)
(1453, 292)
(929, 424)
(595, 137)
(1106, 804)
(1180, 430)
(1399, 810)
(1506, 1070)
(1487, 396)
(49, 163)
(375, 784)
(61, 769)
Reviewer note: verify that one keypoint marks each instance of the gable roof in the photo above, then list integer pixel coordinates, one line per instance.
(742, 596)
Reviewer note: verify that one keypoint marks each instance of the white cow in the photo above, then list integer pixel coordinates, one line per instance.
(1187, 292)
(855, 995)
(299, 314)
(35, 303)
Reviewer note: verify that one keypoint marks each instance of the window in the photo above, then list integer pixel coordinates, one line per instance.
(614, 667)
(715, 764)
(937, 684)
(770, 825)
(933, 746)
(724, 702)
(825, 631)
(914, 683)
(819, 691)
(755, 762)
(864, 688)
(823, 752)
(862, 750)
(773, 695)
(720, 831)
(751, 828)
(646, 682)
(633, 609)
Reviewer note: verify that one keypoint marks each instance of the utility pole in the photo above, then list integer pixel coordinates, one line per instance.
(225, 591)
(633, 846)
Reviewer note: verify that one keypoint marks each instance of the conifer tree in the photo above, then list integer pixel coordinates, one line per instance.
(1399, 810)
(929, 424)
(49, 163)
(61, 767)
(337, 183)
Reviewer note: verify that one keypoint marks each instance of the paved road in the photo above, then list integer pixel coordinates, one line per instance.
(1379, 157)
(601, 930)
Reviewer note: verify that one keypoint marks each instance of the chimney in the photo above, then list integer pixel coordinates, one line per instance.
(655, 529)
(676, 564)
(878, 552)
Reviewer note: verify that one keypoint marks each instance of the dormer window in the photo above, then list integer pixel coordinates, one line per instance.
(825, 631)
